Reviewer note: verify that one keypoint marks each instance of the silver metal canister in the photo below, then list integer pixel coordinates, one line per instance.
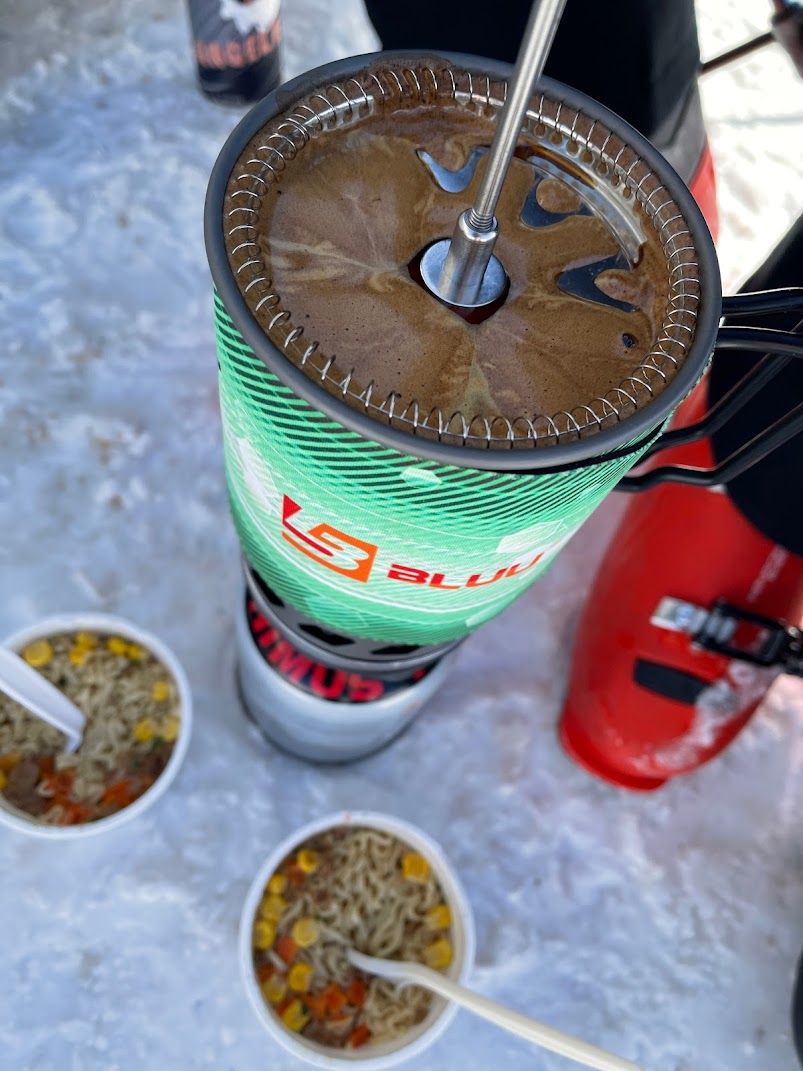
(316, 711)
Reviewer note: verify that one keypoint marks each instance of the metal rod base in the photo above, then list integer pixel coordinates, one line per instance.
(481, 279)
(463, 272)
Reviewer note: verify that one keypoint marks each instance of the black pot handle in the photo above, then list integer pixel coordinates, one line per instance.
(780, 347)
(762, 302)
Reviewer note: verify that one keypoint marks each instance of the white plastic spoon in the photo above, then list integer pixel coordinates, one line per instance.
(515, 1022)
(21, 682)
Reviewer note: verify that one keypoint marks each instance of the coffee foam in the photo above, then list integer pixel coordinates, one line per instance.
(337, 232)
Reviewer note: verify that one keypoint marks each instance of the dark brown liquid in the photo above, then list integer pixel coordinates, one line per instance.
(356, 207)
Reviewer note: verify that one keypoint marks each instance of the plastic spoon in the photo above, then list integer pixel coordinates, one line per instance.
(513, 1021)
(22, 683)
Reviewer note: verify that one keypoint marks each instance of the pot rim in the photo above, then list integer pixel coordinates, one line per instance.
(641, 425)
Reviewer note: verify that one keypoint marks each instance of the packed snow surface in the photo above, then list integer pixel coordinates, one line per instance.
(664, 927)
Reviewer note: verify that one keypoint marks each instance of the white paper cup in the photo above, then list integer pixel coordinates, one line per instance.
(115, 626)
(441, 1013)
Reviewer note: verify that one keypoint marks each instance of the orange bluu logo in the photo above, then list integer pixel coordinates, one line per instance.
(355, 558)
(328, 546)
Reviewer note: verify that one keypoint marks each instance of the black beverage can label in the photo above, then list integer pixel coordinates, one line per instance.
(237, 47)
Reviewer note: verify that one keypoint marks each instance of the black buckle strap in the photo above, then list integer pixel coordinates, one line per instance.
(735, 633)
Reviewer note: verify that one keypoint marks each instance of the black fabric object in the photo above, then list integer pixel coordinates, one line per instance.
(637, 57)
(769, 493)
(797, 1011)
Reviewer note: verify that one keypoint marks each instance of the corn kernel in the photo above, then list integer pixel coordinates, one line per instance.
(264, 934)
(169, 729)
(86, 640)
(438, 918)
(277, 884)
(135, 652)
(307, 861)
(3, 780)
(295, 1017)
(414, 867)
(272, 908)
(160, 691)
(38, 654)
(305, 932)
(299, 977)
(144, 730)
(78, 655)
(274, 989)
(117, 645)
(438, 955)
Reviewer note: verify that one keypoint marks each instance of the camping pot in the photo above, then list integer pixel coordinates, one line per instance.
(384, 525)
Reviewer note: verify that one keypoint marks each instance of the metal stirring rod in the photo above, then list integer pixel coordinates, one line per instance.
(465, 273)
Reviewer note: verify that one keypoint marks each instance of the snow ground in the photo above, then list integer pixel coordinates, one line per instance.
(665, 927)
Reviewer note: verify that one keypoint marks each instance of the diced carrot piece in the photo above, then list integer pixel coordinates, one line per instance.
(356, 993)
(119, 793)
(58, 783)
(335, 999)
(9, 761)
(316, 1005)
(73, 814)
(359, 1036)
(264, 971)
(286, 948)
(46, 765)
(295, 875)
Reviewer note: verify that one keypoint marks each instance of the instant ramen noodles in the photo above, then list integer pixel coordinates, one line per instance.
(346, 887)
(131, 705)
